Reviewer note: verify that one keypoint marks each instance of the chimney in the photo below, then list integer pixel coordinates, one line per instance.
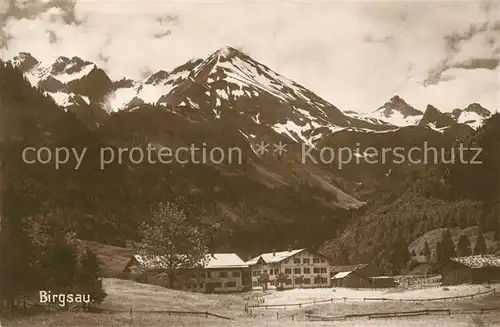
(289, 248)
(274, 252)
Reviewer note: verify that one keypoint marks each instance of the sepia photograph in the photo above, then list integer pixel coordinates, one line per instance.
(240, 163)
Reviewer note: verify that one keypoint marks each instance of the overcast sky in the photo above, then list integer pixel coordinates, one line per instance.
(356, 55)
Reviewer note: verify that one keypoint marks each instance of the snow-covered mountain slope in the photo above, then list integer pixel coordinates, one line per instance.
(228, 84)
(474, 115)
(54, 77)
(232, 85)
(397, 112)
(366, 118)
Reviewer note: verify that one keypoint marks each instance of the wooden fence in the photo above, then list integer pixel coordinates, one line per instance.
(395, 314)
(206, 314)
(345, 299)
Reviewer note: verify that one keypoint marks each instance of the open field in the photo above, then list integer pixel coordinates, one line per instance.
(124, 295)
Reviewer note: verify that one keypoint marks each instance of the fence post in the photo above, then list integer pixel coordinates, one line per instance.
(277, 315)
(345, 298)
(293, 317)
(206, 314)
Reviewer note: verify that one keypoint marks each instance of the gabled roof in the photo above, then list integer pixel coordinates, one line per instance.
(274, 257)
(341, 275)
(350, 268)
(479, 261)
(225, 260)
(344, 271)
(215, 260)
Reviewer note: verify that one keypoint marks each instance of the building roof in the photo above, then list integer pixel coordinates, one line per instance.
(350, 268)
(213, 261)
(344, 271)
(479, 261)
(225, 260)
(274, 257)
(341, 275)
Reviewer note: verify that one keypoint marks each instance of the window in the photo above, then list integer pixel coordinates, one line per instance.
(324, 280)
(299, 281)
(276, 271)
(209, 274)
(236, 274)
(307, 270)
(223, 274)
(288, 271)
(322, 260)
(270, 271)
(296, 270)
(264, 271)
(288, 282)
(287, 261)
(316, 270)
(230, 284)
(258, 272)
(254, 283)
(272, 282)
(307, 281)
(215, 285)
(296, 261)
(315, 260)
(254, 273)
(323, 270)
(306, 260)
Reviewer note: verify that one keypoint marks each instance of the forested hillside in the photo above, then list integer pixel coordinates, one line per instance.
(437, 196)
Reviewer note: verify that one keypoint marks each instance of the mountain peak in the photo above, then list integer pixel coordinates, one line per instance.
(435, 118)
(478, 109)
(431, 109)
(24, 61)
(397, 105)
(228, 52)
(396, 98)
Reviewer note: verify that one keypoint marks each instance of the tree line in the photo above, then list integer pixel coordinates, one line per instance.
(39, 254)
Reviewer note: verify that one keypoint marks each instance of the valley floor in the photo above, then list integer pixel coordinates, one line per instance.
(123, 295)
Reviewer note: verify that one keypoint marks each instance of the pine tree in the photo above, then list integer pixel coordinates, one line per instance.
(464, 246)
(439, 252)
(399, 255)
(426, 251)
(447, 247)
(88, 281)
(17, 261)
(480, 246)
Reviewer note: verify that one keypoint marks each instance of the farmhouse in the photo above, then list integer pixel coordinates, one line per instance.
(221, 273)
(471, 269)
(290, 269)
(359, 276)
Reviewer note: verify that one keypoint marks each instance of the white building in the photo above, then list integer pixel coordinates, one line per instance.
(221, 272)
(298, 269)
